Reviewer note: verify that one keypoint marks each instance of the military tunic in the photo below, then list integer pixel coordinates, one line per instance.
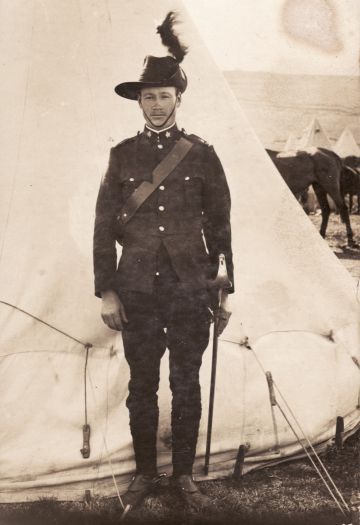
(170, 250)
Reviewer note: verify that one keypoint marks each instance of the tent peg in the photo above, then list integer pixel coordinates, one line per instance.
(339, 432)
(87, 496)
(355, 508)
(240, 459)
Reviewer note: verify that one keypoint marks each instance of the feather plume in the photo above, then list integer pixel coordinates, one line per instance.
(170, 39)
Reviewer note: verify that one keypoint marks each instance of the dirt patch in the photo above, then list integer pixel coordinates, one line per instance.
(336, 239)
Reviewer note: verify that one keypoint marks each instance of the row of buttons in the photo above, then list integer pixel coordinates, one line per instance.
(161, 208)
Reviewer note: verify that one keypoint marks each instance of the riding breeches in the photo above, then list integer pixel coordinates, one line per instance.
(178, 320)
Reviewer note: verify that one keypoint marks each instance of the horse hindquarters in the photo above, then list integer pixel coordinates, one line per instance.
(329, 175)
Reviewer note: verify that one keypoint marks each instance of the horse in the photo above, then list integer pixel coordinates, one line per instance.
(350, 181)
(322, 169)
(350, 185)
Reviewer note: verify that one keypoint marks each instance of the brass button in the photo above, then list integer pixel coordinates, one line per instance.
(161, 228)
(161, 188)
(131, 179)
(157, 274)
(161, 208)
(187, 178)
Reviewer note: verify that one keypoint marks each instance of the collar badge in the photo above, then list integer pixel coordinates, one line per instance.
(148, 133)
(168, 134)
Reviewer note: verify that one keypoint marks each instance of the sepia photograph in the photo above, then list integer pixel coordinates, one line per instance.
(180, 262)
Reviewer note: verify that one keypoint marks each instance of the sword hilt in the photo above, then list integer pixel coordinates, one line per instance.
(222, 280)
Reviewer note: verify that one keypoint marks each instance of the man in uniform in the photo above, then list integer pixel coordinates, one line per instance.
(173, 224)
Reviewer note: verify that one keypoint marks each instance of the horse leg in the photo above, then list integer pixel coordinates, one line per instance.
(324, 205)
(344, 213)
(350, 202)
(329, 180)
(345, 217)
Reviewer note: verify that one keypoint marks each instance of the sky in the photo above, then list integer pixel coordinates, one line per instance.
(281, 36)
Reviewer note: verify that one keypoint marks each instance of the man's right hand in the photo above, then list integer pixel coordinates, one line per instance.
(113, 311)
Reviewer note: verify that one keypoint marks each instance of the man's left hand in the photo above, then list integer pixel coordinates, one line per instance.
(223, 314)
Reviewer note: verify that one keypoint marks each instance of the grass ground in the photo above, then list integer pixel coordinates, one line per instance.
(287, 494)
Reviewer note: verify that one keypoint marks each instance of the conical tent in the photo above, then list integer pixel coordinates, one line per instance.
(295, 311)
(291, 143)
(314, 135)
(346, 145)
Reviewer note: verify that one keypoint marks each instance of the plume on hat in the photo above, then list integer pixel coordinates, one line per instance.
(170, 39)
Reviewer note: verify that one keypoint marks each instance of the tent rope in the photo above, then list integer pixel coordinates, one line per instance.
(313, 450)
(86, 374)
(107, 451)
(86, 345)
(329, 335)
(245, 343)
(85, 450)
(326, 472)
(316, 467)
(106, 412)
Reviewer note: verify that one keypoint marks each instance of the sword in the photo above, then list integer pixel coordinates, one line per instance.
(220, 282)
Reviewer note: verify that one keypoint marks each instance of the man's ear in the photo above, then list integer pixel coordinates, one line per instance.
(139, 100)
(178, 99)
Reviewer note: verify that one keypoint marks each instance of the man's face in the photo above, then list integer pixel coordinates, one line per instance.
(159, 105)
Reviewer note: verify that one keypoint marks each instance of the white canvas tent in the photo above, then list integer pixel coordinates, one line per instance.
(346, 145)
(314, 135)
(295, 303)
(291, 143)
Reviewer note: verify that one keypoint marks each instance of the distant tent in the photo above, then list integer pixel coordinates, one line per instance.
(295, 311)
(291, 143)
(346, 145)
(314, 135)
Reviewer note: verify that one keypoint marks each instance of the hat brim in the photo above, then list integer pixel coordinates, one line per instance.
(131, 90)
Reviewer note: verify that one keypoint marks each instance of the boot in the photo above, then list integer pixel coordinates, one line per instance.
(140, 486)
(190, 493)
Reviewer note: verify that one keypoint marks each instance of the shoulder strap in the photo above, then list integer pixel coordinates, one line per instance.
(162, 170)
